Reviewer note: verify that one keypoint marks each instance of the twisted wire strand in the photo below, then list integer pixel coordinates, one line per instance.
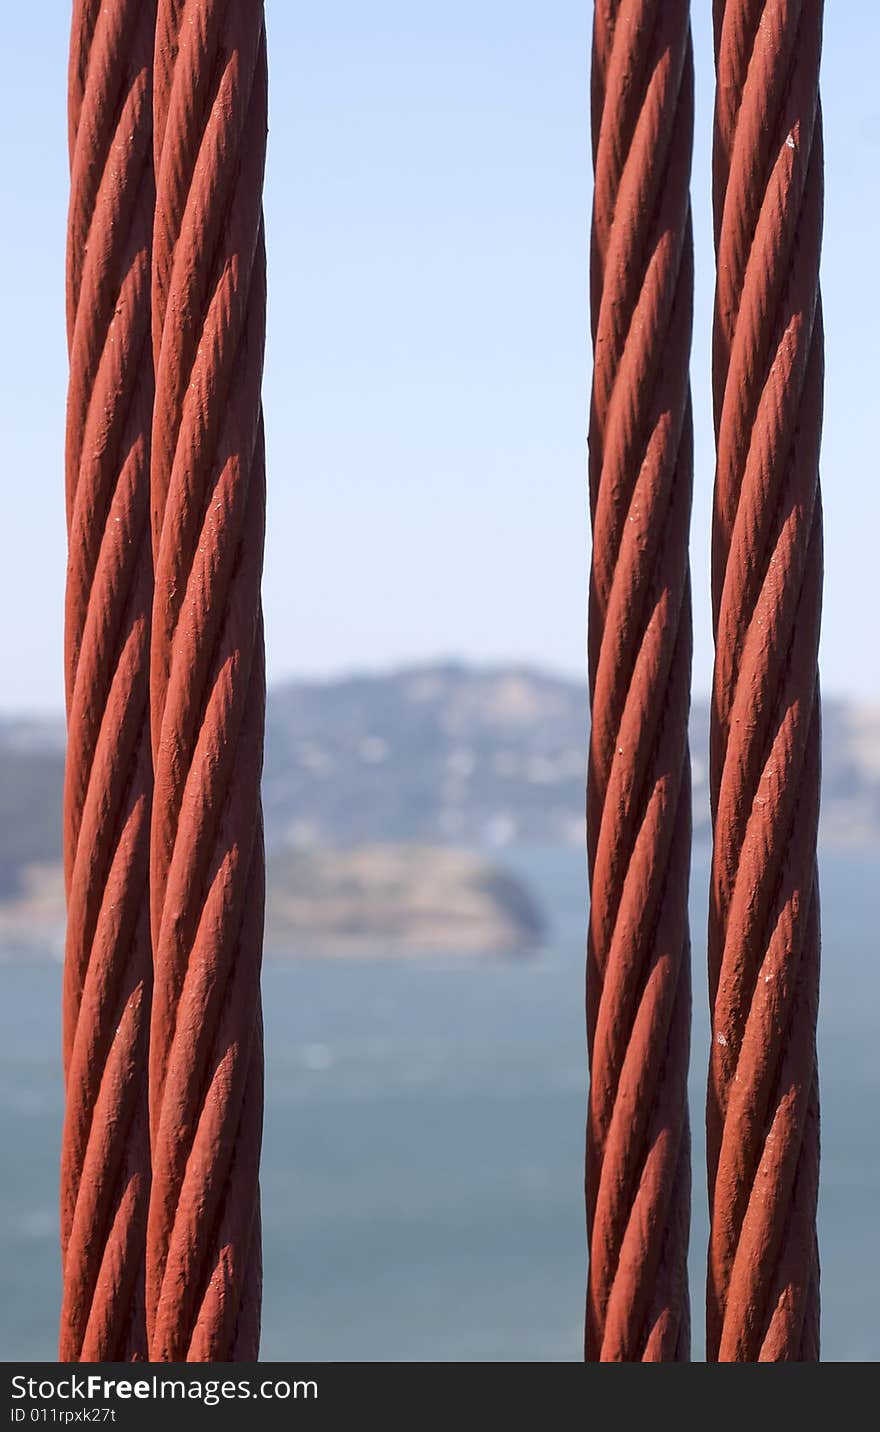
(763, 1105)
(638, 792)
(107, 969)
(207, 681)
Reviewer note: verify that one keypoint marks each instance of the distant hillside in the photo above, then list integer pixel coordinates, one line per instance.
(440, 755)
(31, 776)
(490, 757)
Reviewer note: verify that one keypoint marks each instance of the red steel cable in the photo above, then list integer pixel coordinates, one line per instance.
(763, 1105)
(105, 1153)
(638, 793)
(207, 681)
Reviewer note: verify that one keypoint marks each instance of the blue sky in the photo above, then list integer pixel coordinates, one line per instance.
(427, 369)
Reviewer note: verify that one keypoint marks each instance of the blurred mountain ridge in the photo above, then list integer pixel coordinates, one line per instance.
(436, 755)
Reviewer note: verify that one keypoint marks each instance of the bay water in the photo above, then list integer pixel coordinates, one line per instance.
(422, 1164)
